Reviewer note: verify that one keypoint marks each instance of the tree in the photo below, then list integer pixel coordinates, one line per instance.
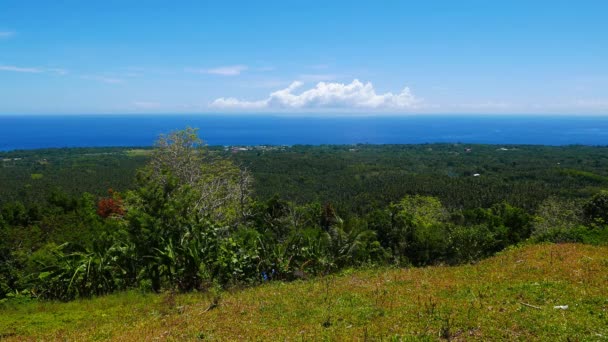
(556, 215)
(596, 209)
(181, 215)
(216, 188)
(417, 231)
(516, 222)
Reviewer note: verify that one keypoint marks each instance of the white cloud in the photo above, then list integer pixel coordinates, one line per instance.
(33, 70)
(103, 79)
(20, 69)
(356, 95)
(233, 103)
(6, 34)
(231, 70)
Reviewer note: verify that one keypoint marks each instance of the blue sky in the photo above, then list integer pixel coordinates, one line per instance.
(359, 57)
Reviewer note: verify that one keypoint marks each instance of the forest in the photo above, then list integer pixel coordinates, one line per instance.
(184, 216)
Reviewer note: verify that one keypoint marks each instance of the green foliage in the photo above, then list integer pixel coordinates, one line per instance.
(417, 233)
(212, 187)
(359, 179)
(355, 179)
(556, 215)
(37, 173)
(67, 272)
(37, 176)
(181, 215)
(580, 234)
(190, 222)
(481, 302)
(470, 243)
(596, 209)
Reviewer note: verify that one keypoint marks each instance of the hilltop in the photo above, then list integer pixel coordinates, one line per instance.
(510, 296)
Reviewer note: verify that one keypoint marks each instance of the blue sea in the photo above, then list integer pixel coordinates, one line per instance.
(43, 131)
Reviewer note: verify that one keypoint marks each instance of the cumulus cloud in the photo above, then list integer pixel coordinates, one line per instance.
(356, 95)
(233, 103)
(231, 70)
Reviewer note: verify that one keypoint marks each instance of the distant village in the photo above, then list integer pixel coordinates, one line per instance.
(237, 149)
(10, 162)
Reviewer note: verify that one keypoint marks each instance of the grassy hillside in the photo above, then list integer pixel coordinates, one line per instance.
(510, 296)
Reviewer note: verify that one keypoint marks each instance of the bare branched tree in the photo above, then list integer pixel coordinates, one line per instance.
(218, 189)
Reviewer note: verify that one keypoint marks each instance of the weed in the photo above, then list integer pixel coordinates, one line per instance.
(327, 301)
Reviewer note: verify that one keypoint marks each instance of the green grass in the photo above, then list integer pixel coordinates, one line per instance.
(508, 297)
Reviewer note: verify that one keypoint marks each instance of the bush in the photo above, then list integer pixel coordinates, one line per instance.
(580, 234)
(596, 210)
(470, 243)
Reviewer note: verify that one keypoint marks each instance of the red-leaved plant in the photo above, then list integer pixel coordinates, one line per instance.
(110, 206)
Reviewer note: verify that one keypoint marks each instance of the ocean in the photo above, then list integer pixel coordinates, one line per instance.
(45, 131)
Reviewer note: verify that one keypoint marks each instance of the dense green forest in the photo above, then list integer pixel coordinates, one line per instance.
(362, 177)
(184, 216)
(355, 178)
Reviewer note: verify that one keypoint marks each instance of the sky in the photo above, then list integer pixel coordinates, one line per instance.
(304, 57)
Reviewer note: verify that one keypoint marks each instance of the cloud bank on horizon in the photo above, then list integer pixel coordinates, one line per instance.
(326, 95)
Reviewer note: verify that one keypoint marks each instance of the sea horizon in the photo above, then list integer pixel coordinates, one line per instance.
(32, 131)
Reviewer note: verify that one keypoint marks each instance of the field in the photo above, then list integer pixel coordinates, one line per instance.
(508, 297)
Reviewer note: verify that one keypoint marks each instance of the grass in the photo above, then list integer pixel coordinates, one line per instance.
(508, 297)
(139, 152)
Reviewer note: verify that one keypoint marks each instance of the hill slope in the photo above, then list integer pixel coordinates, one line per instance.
(510, 296)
